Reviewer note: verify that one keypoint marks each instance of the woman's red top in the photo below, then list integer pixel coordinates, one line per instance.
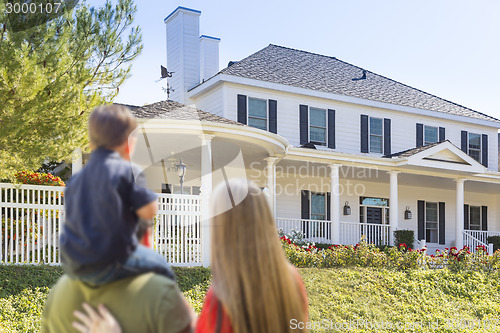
(213, 317)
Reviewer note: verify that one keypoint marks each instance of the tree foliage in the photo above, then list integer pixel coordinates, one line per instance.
(53, 75)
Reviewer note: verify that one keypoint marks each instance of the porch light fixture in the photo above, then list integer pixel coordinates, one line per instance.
(347, 208)
(407, 213)
(181, 171)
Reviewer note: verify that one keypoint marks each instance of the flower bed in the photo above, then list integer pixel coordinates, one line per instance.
(398, 258)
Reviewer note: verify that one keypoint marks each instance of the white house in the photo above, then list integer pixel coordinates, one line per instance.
(343, 151)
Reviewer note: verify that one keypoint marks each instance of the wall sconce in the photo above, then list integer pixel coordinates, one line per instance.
(407, 213)
(347, 208)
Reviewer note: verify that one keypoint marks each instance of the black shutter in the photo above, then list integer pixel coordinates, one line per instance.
(466, 217)
(273, 116)
(465, 142)
(442, 134)
(242, 109)
(387, 136)
(331, 128)
(421, 219)
(484, 218)
(304, 124)
(328, 216)
(364, 133)
(420, 135)
(484, 150)
(305, 215)
(442, 222)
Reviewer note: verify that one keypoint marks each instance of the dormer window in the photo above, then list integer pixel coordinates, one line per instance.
(257, 113)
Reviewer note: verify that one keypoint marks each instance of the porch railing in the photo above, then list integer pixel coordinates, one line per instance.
(31, 218)
(317, 231)
(475, 238)
(351, 233)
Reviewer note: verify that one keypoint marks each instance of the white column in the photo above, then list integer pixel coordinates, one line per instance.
(393, 205)
(206, 192)
(77, 161)
(335, 202)
(271, 182)
(459, 221)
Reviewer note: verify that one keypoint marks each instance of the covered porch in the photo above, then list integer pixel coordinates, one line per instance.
(439, 192)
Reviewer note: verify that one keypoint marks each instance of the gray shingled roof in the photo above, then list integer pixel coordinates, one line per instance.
(178, 111)
(414, 151)
(303, 69)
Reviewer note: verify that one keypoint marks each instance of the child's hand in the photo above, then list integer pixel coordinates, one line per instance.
(93, 322)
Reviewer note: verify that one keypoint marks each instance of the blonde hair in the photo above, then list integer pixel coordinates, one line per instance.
(110, 125)
(251, 275)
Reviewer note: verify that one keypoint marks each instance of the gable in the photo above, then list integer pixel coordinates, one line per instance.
(442, 155)
(448, 156)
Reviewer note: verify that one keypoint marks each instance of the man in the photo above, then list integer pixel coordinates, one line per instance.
(145, 303)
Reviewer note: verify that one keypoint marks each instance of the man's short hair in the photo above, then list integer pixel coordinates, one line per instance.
(110, 125)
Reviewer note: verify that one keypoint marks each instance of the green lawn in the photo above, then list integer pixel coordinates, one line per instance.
(343, 296)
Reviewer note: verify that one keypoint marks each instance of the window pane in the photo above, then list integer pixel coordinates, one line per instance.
(374, 202)
(375, 144)
(317, 117)
(475, 154)
(376, 126)
(475, 218)
(474, 141)
(259, 123)
(431, 135)
(317, 134)
(431, 213)
(318, 208)
(257, 108)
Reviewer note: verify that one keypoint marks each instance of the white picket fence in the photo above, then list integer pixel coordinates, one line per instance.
(177, 229)
(32, 216)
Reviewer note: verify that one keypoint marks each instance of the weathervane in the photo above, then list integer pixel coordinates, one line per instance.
(165, 74)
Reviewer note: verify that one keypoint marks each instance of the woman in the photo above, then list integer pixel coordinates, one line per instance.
(254, 288)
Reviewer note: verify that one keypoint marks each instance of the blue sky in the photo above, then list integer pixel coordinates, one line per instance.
(449, 48)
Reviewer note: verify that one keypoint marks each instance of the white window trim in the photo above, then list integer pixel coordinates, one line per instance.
(267, 112)
(309, 125)
(426, 143)
(480, 146)
(370, 135)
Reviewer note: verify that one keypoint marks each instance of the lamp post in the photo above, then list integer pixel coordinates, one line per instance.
(181, 171)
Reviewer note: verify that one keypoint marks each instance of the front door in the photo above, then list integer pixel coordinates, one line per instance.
(374, 215)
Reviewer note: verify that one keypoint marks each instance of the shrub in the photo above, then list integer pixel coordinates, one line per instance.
(495, 240)
(404, 237)
(37, 178)
(399, 258)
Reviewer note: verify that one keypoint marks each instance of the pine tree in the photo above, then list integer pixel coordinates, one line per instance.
(54, 74)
